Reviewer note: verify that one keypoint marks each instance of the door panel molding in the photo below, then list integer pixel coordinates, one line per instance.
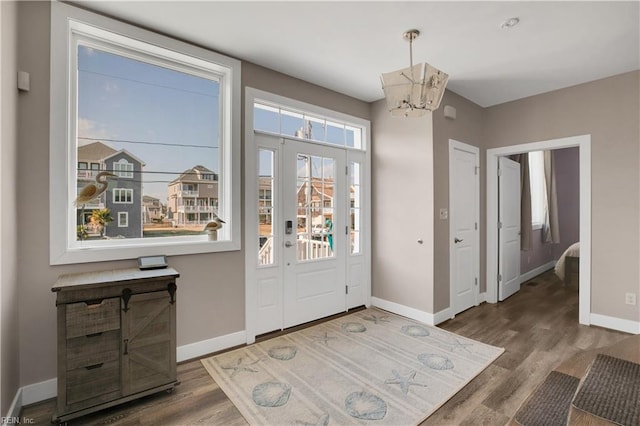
(461, 300)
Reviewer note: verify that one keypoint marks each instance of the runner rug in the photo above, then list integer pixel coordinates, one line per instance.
(369, 365)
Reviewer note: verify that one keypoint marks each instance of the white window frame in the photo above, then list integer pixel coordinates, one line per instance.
(126, 172)
(67, 22)
(120, 193)
(124, 215)
(538, 189)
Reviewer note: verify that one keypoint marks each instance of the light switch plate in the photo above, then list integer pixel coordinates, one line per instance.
(444, 214)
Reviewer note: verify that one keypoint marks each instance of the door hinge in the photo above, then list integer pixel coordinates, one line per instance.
(346, 170)
(346, 230)
(346, 289)
(499, 225)
(476, 281)
(475, 170)
(499, 277)
(475, 226)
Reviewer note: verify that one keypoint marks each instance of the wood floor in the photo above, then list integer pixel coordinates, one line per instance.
(538, 327)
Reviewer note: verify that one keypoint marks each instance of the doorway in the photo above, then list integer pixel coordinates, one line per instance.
(584, 144)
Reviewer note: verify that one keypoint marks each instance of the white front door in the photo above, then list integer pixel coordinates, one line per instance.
(301, 271)
(508, 228)
(314, 247)
(464, 210)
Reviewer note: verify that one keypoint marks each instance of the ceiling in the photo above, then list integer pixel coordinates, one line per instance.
(345, 46)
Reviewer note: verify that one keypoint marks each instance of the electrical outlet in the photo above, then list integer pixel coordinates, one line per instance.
(444, 214)
(630, 298)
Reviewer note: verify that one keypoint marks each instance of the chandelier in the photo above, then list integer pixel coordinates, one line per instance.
(411, 92)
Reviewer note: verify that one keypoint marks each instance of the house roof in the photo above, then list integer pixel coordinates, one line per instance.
(95, 151)
(194, 174)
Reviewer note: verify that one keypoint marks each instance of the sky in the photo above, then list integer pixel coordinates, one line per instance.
(168, 119)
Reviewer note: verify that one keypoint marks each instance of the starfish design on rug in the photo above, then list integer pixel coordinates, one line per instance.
(375, 319)
(323, 420)
(404, 381)
(240, 367)
(323, 339)
(456, 344)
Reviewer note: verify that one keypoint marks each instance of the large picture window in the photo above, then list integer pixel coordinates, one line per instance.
(151, 116)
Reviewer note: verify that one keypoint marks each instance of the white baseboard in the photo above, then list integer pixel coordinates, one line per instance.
(613, 323)
(205, 347)
(442, 316)
(16, 406)
(48, 389)
(405, 311)
(537, 271)
(482, 297)
(39, 391)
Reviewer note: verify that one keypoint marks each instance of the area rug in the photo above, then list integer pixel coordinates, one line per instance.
(551, 402)
(611, 390)
(367, 366)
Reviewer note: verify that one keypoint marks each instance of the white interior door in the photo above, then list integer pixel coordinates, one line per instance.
(464, 209)
(314, 213)
(508, 228)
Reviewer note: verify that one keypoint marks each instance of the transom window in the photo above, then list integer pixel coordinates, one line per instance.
(145, 115)
(287, 122)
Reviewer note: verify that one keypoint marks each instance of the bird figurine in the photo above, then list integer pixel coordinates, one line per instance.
(92, 190)
(212, 227)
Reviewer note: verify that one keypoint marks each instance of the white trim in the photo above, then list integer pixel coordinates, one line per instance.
(405, 311)
(453, 144)
(613, 323)
(126, 219)
(251, 193)
(584, 143)
(443, 315)
(37, 392)
(127, 192)
(16, 405)
(537, 271)
(482, 298)
(209, 346)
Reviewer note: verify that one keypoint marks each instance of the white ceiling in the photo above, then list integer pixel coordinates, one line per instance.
(344, 46)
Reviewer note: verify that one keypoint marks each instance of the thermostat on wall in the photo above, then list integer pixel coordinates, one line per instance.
(152, 262)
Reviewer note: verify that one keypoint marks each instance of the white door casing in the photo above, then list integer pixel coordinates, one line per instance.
(464, 206)
(508, 228)
(264, 281)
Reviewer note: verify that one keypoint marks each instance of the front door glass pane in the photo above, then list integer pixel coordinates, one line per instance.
(265, 207)
(315, 206)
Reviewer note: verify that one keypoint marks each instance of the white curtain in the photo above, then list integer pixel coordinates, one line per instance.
(551, 227)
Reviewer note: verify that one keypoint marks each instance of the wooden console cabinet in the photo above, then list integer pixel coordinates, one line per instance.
(116, 338)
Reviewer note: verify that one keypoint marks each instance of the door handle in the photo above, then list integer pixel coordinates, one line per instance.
(457, 240)
(288, 244)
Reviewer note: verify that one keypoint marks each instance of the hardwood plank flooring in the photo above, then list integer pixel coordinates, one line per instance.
(538, 327)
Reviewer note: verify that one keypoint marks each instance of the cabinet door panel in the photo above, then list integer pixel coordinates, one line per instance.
(148, 328)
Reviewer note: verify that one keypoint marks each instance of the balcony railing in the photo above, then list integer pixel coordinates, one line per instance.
(87, 174)
(188, 193)
(196, 209)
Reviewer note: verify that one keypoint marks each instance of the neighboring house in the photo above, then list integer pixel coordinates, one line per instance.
(151, 209)
(193, 196)
(124, 194)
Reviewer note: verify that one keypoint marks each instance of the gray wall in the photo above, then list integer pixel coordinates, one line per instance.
(402, 209)
(466, 128)
(9, 355)
(608, 110)
(210, 287)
